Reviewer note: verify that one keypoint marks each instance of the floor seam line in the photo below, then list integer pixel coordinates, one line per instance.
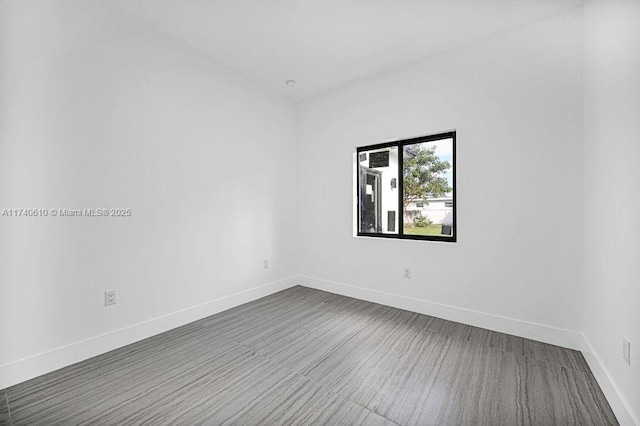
(297, 373)
(321, 386)
(374, 412)
(6, 399)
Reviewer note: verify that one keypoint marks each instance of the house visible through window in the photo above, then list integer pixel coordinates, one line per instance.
(415, 177)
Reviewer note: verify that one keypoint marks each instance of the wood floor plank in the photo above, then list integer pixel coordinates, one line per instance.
(260, 319)
(311, 346)
(540, 351)
(303, 356)
(84, 398)
(504, 388)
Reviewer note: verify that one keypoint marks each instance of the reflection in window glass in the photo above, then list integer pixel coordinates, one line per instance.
(427, 197)
(378, 191)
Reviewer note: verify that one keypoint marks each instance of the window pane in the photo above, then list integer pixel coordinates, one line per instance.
(378, 191)
(428, 188)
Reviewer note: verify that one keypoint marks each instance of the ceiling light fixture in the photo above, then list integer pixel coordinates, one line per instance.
(291, 83)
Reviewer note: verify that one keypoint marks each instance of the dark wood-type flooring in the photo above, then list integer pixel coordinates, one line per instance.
(304, 356)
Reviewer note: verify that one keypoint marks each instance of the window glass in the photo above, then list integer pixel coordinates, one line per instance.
(378, 190)
(427, 197)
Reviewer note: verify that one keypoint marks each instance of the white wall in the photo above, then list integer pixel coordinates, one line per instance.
(612, 172)
(95, 111)
(516, 102)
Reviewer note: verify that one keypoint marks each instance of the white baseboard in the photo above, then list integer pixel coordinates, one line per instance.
(28, 368)
(621, 408)
(530, 330)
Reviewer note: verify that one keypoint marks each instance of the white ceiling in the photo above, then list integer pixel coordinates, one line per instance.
(323, 44)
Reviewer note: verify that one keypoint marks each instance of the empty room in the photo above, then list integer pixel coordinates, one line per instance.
(383, 212)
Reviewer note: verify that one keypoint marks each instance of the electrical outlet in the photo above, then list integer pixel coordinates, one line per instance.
(109, 298)
(265, 264)
(407, 273)
(626, 350)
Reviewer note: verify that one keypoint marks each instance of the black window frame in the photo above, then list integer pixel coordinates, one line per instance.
(400, 235)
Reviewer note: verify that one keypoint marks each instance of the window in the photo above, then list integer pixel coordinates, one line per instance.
(415, 177)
